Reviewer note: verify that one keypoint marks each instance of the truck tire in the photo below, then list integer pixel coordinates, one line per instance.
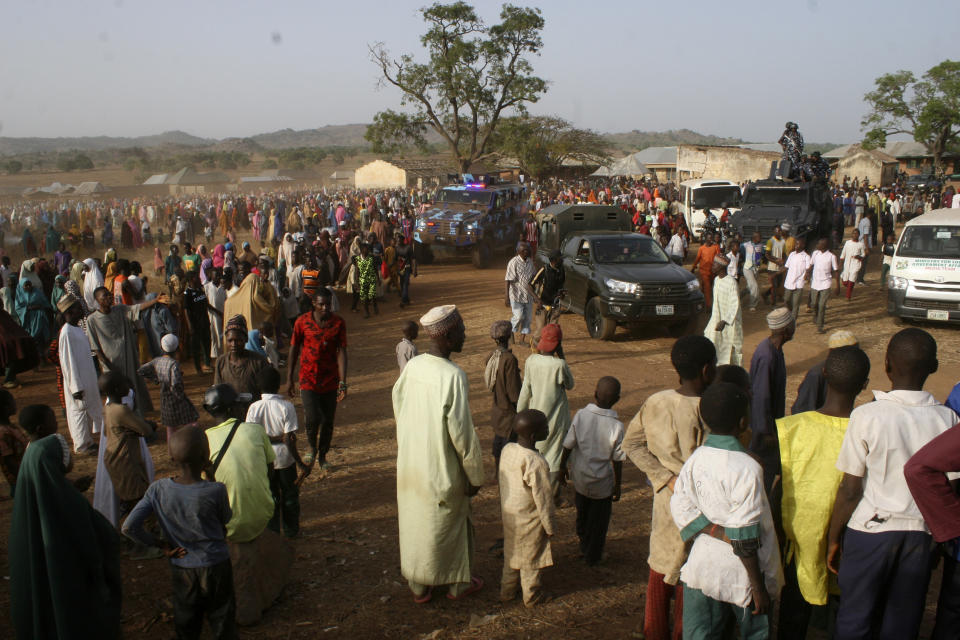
(598, 326)
(422, 253)
(481, 255)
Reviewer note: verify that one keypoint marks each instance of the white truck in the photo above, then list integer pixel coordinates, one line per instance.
(699, 196)
(924, 278)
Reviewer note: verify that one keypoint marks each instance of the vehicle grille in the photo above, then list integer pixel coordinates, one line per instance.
(931, 304)
(663, 290)
(766, 230)
(940, 287)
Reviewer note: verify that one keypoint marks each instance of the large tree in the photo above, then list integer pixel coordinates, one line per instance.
(474, 76)
(541, 144)
(927, 109)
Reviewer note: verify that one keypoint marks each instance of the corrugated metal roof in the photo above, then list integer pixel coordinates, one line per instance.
(657, 155)
(762, 146)
(899, 149)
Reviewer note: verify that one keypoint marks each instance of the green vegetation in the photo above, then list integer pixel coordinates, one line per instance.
(474, 76)
(541, 144)
(73, 162)
(927, 109)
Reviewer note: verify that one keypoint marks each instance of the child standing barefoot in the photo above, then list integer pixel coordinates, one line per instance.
(526, 503)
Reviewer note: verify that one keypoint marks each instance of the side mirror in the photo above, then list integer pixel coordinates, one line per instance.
(581, 260)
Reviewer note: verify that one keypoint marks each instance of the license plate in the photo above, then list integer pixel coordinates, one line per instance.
(664, 309)
(937, 314)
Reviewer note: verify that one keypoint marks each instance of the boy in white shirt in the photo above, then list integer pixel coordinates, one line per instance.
(887, 550)
(719, 502)
(592, 443)
(279, 419)
(797, 266)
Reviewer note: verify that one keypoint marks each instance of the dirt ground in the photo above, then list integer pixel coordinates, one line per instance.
(346, 580)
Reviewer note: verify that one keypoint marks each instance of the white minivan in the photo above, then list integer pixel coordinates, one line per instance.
(924, 279)
(699, 196)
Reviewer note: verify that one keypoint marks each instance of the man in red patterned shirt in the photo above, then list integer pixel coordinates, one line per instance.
(319, 343)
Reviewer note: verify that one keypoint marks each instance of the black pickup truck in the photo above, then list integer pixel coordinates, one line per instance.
(616, 277)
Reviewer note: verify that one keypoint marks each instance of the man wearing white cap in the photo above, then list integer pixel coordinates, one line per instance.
(812, 391)
(725, 328)
(439, 464)
(768, 379)
(81, 395)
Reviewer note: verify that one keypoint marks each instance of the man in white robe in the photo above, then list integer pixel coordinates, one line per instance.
(80, 392)
(439, 465)
(725, 328)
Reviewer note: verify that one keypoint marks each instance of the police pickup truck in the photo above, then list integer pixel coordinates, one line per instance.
(616, 277)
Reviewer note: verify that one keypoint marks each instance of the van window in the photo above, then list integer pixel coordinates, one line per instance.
(930, 242)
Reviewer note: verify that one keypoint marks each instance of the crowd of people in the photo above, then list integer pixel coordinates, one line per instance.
(751, 506)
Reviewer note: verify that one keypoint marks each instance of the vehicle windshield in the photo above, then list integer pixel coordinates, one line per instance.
(930, 242)
(465, 196)
(714, 197)
(775, 197)
(628, 251)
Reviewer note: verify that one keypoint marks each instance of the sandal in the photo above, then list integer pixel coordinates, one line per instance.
(425, 598)
(308, 458)
(476, 583)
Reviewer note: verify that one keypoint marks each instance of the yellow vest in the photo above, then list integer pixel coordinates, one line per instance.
(809, 447)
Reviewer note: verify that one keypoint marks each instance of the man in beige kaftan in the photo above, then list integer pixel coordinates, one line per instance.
(439, 464)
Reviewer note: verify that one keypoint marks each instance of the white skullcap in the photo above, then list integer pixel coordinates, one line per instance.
(439, 320)
(779, 318)
(842, 338)
(169, 343)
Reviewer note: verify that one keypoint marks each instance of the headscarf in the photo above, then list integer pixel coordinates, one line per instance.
(71, 287)
(229, 262)
(206, 265)
(92, 281)
(36, 322)
(109, 256)
(28, 271)
(218, 252)
(64, 556)
(287, 248)
(253, 342)
(76, 272)
(236, 323)
(110, 275)
(58, 290)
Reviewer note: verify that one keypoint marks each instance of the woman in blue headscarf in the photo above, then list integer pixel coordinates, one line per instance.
(33, 309)
(58, 290)
(255, 343)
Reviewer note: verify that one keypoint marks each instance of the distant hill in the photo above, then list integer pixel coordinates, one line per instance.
(344, 135)
(638, 140)
(17, 146)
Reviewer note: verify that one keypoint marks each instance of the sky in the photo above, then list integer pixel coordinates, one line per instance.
(217, 68)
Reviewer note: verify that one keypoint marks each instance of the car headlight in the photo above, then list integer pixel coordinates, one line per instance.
(897, 283)
(619, 286)
(693, 285)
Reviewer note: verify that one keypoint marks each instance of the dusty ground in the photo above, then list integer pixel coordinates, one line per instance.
(347, 580)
